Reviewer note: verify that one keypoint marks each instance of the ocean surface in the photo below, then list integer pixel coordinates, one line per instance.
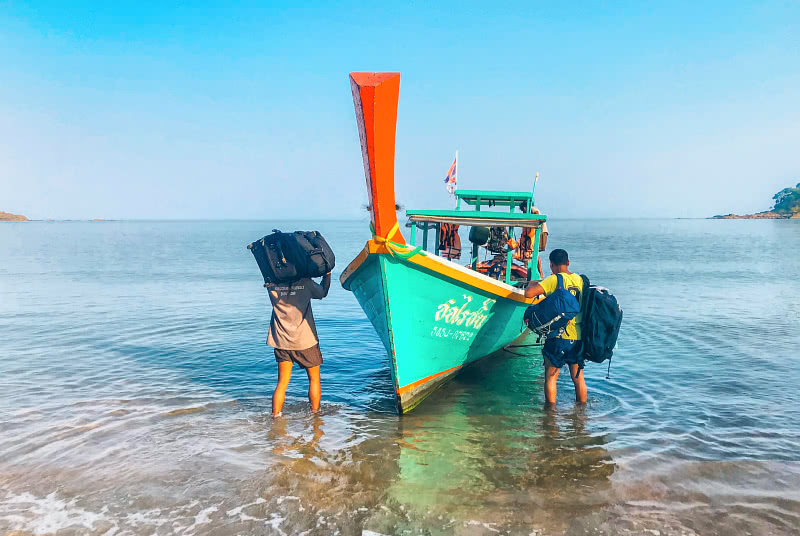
(135, 393)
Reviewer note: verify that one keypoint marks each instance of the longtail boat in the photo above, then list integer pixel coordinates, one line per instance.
(434, 316)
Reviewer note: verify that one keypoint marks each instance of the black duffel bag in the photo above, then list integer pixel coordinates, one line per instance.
(287, 257)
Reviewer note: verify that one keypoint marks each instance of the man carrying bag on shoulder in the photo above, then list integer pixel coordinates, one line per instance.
(565, 348)
(288, 261)
(293, 335)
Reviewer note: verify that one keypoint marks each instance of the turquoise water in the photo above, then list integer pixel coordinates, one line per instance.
(135, 384)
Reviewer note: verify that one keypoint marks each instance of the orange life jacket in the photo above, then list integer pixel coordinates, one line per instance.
(449, 241)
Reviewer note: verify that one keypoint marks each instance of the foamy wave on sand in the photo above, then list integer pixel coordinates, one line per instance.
(46, 515)
(39, 516)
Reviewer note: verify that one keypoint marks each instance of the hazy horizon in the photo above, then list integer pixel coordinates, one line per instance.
(154, 112)
(364, 219)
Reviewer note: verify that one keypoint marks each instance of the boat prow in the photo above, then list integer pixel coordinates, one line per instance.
(433, 316)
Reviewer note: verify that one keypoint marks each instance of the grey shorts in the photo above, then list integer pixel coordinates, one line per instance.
(308, 358)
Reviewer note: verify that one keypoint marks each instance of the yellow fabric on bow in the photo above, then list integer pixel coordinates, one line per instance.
(395, 249)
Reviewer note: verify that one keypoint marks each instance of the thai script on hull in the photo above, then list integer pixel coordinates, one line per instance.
(451, 313)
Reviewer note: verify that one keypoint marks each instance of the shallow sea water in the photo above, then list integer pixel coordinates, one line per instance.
(135, 389)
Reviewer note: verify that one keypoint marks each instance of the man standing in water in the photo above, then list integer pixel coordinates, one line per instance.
(565, 349)
(293, 334)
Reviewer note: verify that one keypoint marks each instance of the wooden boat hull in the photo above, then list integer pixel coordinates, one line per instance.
(433, 316)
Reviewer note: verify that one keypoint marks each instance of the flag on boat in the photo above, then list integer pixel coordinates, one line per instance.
(450, 179)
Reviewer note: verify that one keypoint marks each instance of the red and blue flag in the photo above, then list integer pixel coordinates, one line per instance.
(450, 179)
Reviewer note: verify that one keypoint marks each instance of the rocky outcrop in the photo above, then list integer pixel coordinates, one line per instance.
(766, 215)
(7, 216)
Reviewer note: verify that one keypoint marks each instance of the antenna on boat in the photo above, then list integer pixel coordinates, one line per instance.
(533, 191)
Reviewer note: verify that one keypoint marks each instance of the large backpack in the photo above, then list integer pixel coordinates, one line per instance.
(549, 317)
(600, 322)
(287, 257)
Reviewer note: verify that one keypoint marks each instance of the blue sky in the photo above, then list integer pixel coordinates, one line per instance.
(149, 110)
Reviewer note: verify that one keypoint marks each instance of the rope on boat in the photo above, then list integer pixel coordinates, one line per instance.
(398, 250)
(508, 349)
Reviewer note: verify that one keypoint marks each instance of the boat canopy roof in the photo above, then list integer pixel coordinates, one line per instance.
(493, 198)
(477, 218)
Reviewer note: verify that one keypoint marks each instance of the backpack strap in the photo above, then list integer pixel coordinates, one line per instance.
(279, 246)
(560, 284)
(584, 292)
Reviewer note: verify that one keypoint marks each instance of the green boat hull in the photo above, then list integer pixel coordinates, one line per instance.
(432, 325)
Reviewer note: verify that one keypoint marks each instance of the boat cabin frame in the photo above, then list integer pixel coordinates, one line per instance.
(425, 220)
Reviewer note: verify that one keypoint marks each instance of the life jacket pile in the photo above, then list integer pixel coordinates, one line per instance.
(449, 241)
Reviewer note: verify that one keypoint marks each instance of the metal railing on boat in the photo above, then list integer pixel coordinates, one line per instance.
(432, 219)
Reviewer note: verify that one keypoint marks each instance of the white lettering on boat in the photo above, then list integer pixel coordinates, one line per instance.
(454, 334)
(451, 313)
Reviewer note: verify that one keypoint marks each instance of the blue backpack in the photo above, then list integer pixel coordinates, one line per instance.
(549, 317)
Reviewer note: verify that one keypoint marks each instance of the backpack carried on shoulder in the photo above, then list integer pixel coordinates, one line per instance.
(600, 322)
(287, 257)
(549, 317)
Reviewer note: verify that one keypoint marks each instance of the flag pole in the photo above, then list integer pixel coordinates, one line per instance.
(457, 173)
(533, 191)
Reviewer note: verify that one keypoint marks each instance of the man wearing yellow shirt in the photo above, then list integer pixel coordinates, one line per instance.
(565, 349)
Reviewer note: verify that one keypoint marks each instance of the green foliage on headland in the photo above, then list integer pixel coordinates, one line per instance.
(787, 205)
(787, 201)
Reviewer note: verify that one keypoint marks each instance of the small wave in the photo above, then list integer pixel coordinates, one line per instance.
(185, 411)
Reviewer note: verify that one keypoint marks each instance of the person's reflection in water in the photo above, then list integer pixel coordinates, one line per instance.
(568, 468)
(323, 484)
(277, 435)
(295, 446)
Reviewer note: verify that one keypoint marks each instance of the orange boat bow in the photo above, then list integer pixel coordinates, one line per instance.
(375, 97)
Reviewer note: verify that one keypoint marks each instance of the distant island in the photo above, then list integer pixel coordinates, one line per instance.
(7, 216)
(787, 205)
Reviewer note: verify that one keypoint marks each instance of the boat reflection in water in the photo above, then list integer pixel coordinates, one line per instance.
(487, 450)
(448, 464)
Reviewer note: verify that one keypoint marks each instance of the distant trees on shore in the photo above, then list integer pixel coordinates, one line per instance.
(787, 201)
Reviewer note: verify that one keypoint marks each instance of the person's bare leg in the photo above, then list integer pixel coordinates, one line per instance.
(279, 395)
(314, 387)
(580, 385)
(550, 383)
